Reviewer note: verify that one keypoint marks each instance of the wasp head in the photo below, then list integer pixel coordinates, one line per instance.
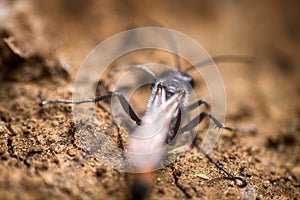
(173, 82)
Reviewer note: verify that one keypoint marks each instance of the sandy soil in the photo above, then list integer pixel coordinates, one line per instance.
(43, 43)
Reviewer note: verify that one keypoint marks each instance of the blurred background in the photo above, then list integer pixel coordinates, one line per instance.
(73, 27)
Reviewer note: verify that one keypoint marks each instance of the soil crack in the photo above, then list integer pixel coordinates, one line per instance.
(176, 178)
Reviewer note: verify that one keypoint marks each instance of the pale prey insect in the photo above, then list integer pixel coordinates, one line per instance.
(162, 121)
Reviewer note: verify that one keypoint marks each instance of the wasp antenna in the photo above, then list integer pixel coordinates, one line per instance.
(223, 58)
(171, 42)
(134, 67)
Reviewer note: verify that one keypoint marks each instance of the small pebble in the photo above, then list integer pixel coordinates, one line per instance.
(296, 171)
(203, 176)
(72, 152)
(266, 184)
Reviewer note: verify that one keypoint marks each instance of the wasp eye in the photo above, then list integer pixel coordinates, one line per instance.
(189, 79)
(152, 85)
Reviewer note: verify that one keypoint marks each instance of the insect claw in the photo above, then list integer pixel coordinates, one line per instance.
(244, 182)
(43, 103)
(233, 129)
(139, 122)
(207, 105)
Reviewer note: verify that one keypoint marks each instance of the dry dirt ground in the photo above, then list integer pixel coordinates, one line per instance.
(43, 43)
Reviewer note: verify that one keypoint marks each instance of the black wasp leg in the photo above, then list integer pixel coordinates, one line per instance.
(192, 124)
(244, 182)
(197, 104)
(124, 103)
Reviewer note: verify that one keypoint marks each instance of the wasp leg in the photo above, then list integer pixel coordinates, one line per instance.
(197, 104)
(194, 123)
(124, 103)
(244, 182)
(197, 120)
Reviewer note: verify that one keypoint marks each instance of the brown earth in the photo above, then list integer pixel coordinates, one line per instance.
(42, 46)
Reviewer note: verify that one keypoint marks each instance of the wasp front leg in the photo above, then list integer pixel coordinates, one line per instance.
(123, 101)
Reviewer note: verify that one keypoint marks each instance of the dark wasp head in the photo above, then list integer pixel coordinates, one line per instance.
(174, 82)
(169, 84)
